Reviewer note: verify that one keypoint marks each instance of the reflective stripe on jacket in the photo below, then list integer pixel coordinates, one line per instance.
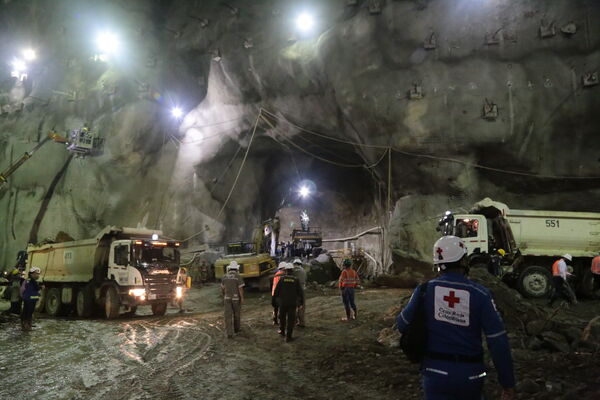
(349, 278)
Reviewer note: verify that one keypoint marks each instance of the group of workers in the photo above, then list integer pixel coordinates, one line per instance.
(23, 295)
(287, 296)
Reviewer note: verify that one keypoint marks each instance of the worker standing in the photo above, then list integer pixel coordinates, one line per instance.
(16, 281)
(232, 287)
(559, 279)
(278, 275)
(349, 280)
(300, 273)
(30, 292)
(595, 270)
(289, 295)
(456, 311)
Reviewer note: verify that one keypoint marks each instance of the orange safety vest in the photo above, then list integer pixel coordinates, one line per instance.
(596, 265)
(555, 271)
(276, 279)
(349, 278)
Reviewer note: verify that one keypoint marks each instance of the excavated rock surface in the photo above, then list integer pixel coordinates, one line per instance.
(349, 79)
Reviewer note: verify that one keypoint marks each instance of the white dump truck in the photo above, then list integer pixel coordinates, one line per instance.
(532, 240)
(121, 268)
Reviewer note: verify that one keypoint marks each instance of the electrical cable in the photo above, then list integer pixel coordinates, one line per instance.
(438, 158)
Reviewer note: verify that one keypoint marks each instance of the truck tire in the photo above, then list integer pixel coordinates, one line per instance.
(159, 309)
(85, 303)
(534, 282)
(40, 306)
(111, 303)
(54, 304)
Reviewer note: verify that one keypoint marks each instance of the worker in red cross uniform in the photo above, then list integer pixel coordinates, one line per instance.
(457, 311)
(595, 277)
(349, 280)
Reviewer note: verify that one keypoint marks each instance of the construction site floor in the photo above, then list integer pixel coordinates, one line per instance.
(187, 355)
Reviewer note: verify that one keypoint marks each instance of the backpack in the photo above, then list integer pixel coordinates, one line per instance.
(414, 338)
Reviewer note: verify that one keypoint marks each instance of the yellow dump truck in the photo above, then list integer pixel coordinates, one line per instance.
(121, 268)
(532, 239)
(256, 268)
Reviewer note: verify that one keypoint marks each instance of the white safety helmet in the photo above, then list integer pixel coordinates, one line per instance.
(448, 249)
(35, 269)
(289, 266)
(281, 265)
(567, 256)
(233, 265)
(298, 261)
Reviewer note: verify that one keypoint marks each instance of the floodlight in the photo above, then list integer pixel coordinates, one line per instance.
(304, 191)
(18, 65)
(29, 54)
(107, 42)
(305, 22)
(176, 112)
(155, 236)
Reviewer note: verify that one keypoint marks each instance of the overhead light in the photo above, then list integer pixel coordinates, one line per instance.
(304, 191)
(177, 112)
(155, 236)
(18, 65)
(305, 22)
(29, 54)
(108, 42)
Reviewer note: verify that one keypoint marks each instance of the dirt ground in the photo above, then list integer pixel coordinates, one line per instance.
(187, 356)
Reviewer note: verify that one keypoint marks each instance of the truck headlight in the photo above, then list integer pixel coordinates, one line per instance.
(137, 292)
(178, 292)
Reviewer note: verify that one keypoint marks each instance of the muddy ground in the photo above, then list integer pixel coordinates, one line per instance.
(186, 356)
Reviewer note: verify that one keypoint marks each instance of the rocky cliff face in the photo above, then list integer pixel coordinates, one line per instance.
(451, 86)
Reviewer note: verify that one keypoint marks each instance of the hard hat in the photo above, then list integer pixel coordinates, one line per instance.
(347, 262)
(298, 261)
(289, 266)
(448, 249)
(501, 252)
(567, 256)
(233, 265)
(35, 269)
(281, 265)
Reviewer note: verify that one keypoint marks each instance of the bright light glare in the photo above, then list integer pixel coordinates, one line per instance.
(304, 191)
(18, 65)
(29, 54)
(154, 236)
(305, 22)
(176, 112)
(107, 42)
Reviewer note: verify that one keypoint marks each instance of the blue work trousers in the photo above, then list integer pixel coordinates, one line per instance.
(348, 298)
(446, 380)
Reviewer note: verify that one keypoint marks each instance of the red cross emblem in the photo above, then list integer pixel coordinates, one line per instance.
(452, 299)
(440, 251)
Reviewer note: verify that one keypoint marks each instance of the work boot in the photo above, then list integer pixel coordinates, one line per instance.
(347, 316)
(282, 333)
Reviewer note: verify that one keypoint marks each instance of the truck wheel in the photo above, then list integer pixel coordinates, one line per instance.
(54, 304)
(111, 303)
(85, 303)
(40, 306)
(159, 309)
(534, 282)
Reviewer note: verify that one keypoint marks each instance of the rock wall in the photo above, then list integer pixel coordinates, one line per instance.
(350, 79)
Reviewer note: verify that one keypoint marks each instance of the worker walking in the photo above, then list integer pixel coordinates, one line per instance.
(559, 279)
(232, 287)
(349, 280)
(300, 273)
(30, 292)
(278, 275)
(457, 310)
(289, 294)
